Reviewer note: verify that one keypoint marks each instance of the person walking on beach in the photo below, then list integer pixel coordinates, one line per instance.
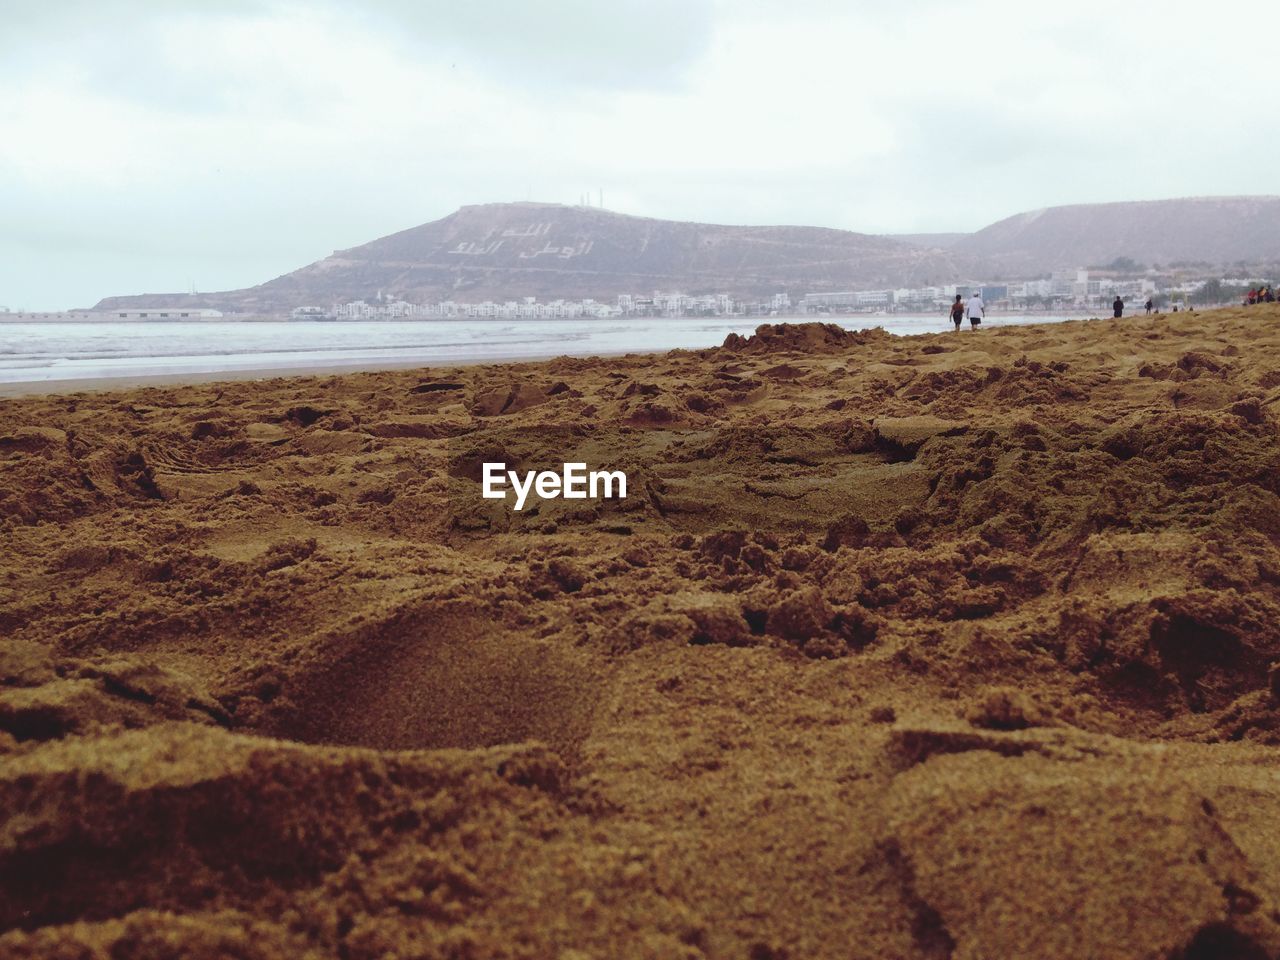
(976, 310)
(1150, 306)
(1118, 307)
(957, 312)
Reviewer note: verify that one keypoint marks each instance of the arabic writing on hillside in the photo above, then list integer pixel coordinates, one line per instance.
(488, 245)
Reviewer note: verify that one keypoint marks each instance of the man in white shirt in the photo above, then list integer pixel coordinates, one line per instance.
(976, 310)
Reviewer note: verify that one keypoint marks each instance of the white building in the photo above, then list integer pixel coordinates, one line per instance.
(849, 300)
(164, 313)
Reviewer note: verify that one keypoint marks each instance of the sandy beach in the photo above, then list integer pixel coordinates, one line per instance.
(943, 646)
(36, 388)
(52, 357)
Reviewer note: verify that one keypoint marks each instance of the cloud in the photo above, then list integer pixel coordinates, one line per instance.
(622, 44)
(251, 136)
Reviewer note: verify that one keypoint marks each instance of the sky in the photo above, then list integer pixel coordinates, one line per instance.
(151, 146)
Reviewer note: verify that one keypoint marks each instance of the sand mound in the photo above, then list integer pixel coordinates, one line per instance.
(972, 832)
(508, 399)
(178, 819)
(799, 337)
(441, 677)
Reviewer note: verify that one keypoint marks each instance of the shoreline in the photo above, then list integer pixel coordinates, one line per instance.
(40, 388)
(745, 318)
(100, 383)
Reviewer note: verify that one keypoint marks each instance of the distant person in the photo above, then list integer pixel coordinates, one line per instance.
(1149, 305)
(957, 312)
(1118, 307)
(977, 309)
(1271, 295)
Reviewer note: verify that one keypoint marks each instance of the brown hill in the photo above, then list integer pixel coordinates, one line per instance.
(934, 241)
(508, 250)
(1218, 231)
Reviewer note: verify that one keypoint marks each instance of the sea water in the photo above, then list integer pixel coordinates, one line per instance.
(34, 352)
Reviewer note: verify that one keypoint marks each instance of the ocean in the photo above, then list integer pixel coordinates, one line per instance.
(35, 352)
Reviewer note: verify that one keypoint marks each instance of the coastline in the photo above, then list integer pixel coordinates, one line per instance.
(130, 380)
(36, 388)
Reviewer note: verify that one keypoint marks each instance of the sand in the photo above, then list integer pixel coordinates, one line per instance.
(29, 388)
(946, 646)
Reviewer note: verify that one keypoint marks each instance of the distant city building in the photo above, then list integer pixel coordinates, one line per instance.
(101, 316)
(1076, 288)
(525, 309)
(1065, 288)
(848, 300)
(164, 313)
(54, 316)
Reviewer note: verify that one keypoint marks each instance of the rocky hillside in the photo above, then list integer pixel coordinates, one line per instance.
(512, 250)
(1212, 230)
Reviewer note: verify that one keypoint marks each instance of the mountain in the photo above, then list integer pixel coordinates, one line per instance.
(1220, 231)
(503, 251)
(934, 241)
(510, 250)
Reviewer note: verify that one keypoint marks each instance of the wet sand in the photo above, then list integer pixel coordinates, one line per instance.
(36, 388)
(943, 646)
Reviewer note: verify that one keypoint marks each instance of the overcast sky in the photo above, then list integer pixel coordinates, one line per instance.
(146, 145)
